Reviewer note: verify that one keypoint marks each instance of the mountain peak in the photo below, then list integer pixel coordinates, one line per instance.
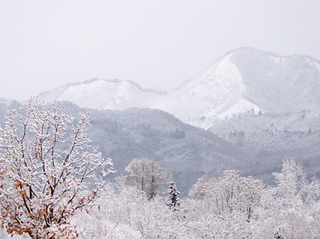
(100, 94)
(248, 51)
(248, 80)
(244, 80)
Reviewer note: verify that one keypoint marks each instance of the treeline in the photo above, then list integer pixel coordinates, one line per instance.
(228, 207)
(53, 185)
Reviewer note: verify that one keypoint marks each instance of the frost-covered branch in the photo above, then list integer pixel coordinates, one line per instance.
(48, 170)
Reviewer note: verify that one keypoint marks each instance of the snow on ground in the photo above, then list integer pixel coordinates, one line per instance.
(241, 106)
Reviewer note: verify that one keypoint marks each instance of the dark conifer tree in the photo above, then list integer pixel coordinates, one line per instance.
(174, 199)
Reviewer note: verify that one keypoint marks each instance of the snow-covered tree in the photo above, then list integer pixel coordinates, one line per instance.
(198, 189)
(147, 175)
(173, 198)
(226, 207)
(48, 171)
(290, 209)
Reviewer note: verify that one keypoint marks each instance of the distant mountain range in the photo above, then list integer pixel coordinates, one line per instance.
(184, 151)
(103, 94)
(244, 80)
(248, 110)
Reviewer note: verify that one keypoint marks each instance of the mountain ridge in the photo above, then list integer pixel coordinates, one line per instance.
(243, 80)
(265, 105)
(102, 94)
(184, 151)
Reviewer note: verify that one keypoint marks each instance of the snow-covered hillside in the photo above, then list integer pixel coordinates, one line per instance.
(217, 92)
(267, 106)
(103, 94)
(244, 80)
(247, 80)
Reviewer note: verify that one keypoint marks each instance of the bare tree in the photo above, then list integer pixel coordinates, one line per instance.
(147, 175)
(48, 171)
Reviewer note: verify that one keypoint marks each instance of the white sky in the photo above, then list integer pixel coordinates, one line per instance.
(156, 43)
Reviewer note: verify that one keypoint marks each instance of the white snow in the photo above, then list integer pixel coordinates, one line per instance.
(241, 106)
(277, 60)
(102, 94)
(211, 93)
(242, 80)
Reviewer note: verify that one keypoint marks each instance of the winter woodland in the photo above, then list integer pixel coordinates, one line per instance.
(53, 185)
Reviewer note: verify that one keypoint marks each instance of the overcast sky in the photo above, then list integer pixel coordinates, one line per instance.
(157, 43)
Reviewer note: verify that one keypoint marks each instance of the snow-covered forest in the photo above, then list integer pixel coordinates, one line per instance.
(228, 207)
(54, 184)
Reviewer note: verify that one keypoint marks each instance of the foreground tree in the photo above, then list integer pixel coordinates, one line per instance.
(147, 175)
(48, 171)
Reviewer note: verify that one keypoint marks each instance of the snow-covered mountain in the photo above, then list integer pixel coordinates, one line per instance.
(184, 151)
(103, 94)
(266, 106)
(244, 80)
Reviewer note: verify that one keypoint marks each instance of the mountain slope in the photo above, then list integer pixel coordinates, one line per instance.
(268, 105)
(278, 83)
(247, 80)
(264, 107)
(184, 151)
(244, 80)
(103, 94)
(216, 92)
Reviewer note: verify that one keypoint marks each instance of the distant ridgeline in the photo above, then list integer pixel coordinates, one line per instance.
(184, 151)
(248, 110)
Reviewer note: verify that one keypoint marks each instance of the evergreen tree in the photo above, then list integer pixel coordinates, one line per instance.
(174, 199)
